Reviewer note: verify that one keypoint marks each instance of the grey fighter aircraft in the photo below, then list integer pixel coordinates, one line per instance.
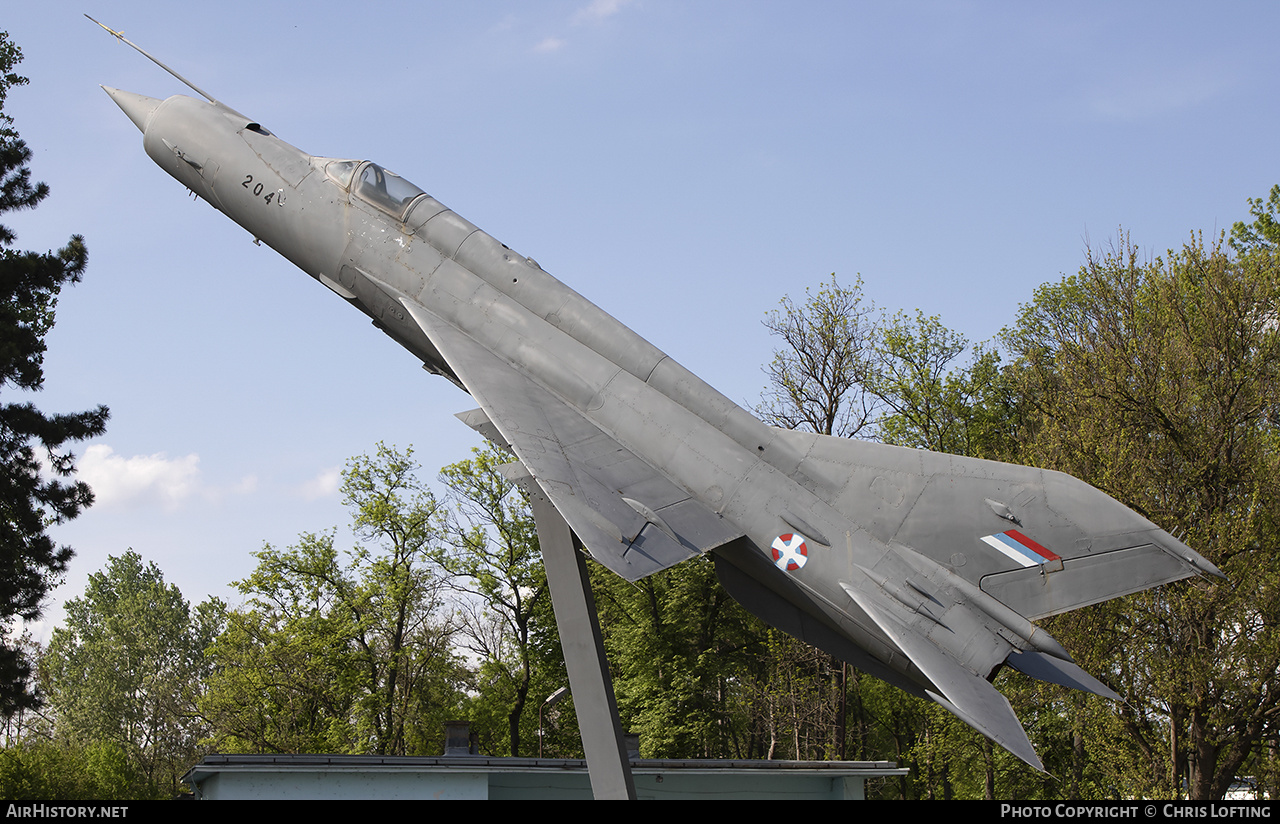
(923, 569)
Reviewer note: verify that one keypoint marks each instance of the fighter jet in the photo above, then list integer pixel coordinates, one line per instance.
(924, 569)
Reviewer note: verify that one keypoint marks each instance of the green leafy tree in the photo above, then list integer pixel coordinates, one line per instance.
(67, 771)
(1157, 381)
(491, 555)
(286, 672)
(344, 652)
(126, 669)
(32, 496)
(682, 654)
(931, 400)
(1263, 234)
(396, 607)
(799, 701)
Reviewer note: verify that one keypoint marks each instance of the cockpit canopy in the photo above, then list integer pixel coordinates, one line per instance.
(375, 185)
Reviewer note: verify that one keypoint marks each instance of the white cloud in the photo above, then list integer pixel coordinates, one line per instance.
(598, 10)
(246, 486)
(323, 485)
(117, 479)
(594, 12)
(549, 45)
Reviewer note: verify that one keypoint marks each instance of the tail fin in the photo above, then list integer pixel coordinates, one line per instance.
(987, 548)
(1041, 542)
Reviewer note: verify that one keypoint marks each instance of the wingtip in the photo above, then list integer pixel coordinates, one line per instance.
(998, 730)
(1203, 566)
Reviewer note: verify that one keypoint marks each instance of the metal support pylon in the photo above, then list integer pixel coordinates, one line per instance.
(589, 681)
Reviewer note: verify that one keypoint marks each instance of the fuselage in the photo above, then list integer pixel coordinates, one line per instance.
(905, 563)
(359, 229)
(893, 560)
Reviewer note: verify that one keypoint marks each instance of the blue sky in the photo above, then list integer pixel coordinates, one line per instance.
(682, 164)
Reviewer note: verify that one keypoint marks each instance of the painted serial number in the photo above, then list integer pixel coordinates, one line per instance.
(276, 197)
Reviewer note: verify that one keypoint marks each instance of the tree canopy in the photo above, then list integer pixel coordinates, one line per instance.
(1157, 380)
(36, 470)
(819, 378)
(126, 669)
(344, 652)
(491, 556)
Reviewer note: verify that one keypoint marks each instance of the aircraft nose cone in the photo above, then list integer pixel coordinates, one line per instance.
(139, 107)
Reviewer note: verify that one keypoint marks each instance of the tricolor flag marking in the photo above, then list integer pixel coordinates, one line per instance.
(1020, 548)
